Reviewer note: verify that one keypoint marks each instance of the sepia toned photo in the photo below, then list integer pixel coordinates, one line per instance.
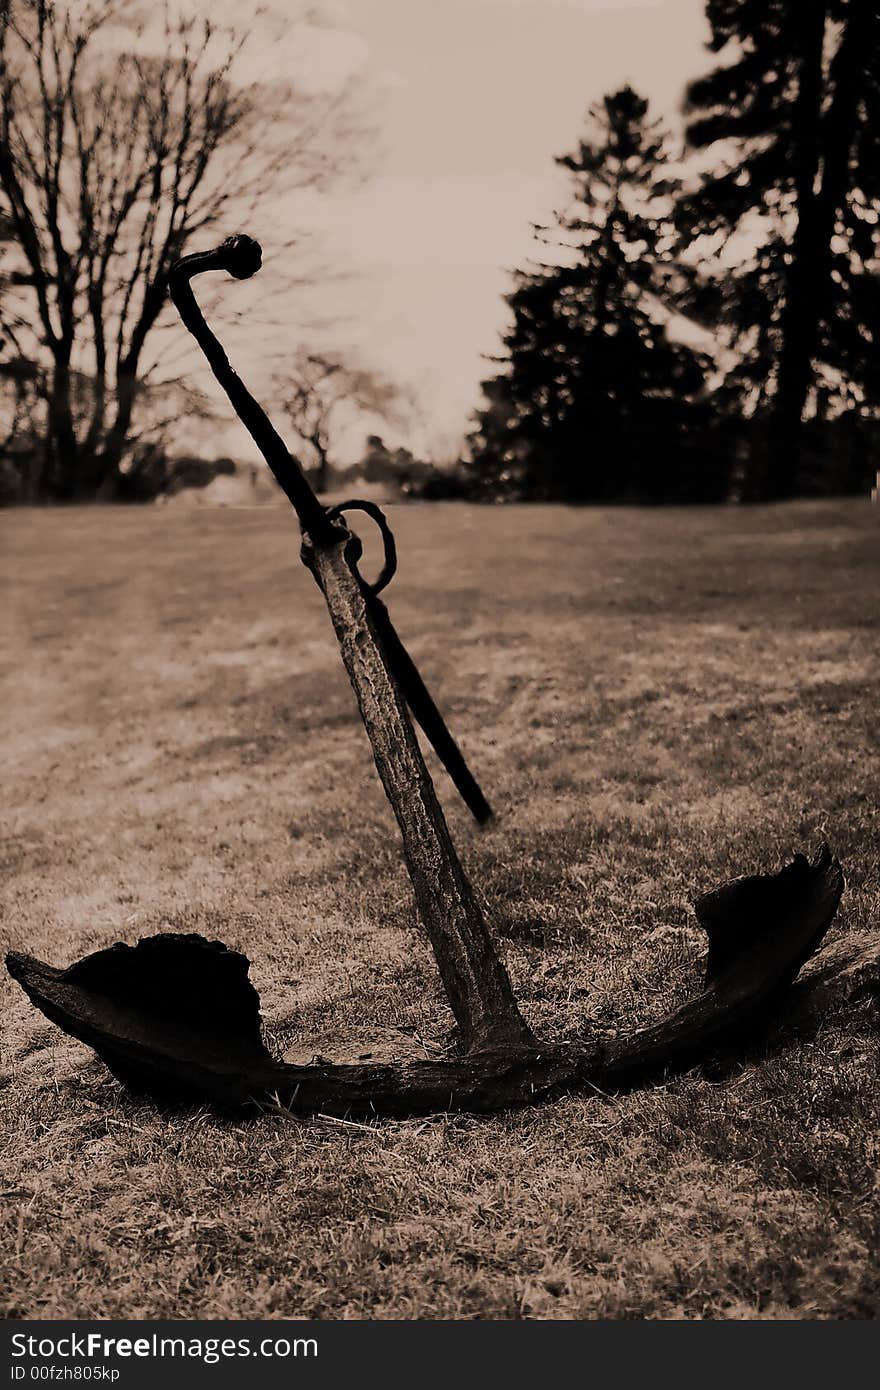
(440, 559)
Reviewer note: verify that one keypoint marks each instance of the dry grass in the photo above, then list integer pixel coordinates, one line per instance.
(654, 700)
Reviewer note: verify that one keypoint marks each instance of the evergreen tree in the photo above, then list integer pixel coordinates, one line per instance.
(798, 110)
(593, 398)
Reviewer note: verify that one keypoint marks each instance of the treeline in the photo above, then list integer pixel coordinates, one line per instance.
(703, 322)
(697, 323)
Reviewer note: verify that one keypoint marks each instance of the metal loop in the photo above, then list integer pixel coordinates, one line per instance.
(389, 567)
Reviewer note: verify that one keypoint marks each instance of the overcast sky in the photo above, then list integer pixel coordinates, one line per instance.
(475, 97)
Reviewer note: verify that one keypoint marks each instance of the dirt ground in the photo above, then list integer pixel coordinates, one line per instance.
(654, 700)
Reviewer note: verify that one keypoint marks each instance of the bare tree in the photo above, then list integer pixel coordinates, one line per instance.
(319, 390)
(110, 162)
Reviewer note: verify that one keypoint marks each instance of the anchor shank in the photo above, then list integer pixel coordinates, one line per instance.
(476, 982)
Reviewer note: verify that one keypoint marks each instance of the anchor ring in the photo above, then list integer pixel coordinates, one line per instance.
(389, 565)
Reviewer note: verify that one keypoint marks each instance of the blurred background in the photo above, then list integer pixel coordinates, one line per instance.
(580, 250)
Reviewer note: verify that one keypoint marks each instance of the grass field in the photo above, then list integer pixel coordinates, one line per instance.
(654, 701)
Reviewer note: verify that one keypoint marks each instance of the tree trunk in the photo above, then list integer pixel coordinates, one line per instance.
(111, 455)
(320, 475)
(61, 473)
(799, 329)
(109, 459)
(824, 149)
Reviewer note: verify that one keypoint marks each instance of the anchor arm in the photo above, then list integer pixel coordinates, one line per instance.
(177, 1017)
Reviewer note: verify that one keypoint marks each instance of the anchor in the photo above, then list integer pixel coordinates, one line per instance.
(176, 1017)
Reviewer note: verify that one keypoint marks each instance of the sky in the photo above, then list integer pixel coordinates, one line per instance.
(473, 98)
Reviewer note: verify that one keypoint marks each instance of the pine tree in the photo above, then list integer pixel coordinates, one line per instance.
(798, 110)
(592, 401)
